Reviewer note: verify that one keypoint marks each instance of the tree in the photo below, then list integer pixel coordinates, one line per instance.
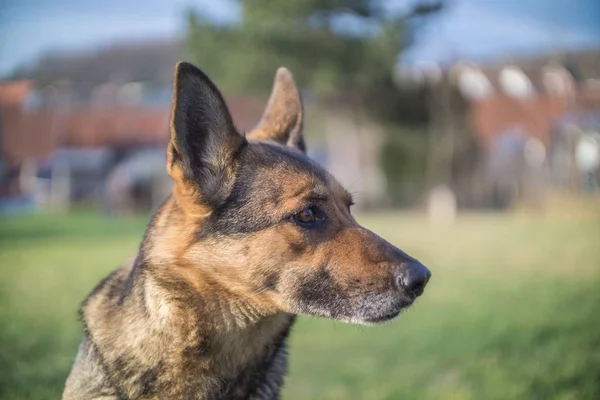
(342, 51)
(343, 54)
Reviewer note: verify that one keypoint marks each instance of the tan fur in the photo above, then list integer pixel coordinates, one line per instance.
(203, 312)
(282, 120)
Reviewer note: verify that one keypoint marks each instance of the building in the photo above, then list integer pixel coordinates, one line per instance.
(107, 149)
(509, 131)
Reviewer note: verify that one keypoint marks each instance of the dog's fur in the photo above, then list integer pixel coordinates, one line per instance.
(227, 262)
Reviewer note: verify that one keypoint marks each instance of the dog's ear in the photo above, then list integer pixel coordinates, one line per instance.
(204, 142)
(282, 119)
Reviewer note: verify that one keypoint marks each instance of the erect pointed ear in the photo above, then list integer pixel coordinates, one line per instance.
(204, 142)
(283, 117)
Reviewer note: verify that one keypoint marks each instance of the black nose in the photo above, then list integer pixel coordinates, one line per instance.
(413, 278)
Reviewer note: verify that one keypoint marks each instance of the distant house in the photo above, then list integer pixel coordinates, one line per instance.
(518, 119)
(92, 122)
(49, 129)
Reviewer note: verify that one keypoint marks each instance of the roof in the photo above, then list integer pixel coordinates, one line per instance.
(534, 113)
(37, 133)
(494, 115)
(14, 93)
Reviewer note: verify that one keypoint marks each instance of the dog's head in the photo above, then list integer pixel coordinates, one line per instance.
(269, 222)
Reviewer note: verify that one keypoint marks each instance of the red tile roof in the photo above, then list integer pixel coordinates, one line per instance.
(38, 133)
(492, 116)
(14, 93)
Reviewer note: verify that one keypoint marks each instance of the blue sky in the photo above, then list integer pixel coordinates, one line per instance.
(486, 29)
(468, 28)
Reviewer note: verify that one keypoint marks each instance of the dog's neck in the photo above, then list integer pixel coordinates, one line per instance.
(172, 256)
(200, 295)
(170, 314)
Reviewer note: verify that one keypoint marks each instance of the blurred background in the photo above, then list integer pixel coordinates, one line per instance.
(468, 130)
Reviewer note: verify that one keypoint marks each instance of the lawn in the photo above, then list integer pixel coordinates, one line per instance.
(512, 311)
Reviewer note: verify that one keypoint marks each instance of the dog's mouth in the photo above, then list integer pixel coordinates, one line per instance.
(383, 318)
(364, 309)
(388, 315)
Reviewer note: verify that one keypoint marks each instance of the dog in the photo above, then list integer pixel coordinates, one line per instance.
(254, 234)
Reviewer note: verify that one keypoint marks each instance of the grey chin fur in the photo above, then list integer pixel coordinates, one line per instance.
(367, 309)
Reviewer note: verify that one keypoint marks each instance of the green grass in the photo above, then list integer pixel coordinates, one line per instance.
(512, 311)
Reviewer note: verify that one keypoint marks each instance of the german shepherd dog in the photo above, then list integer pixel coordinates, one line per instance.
(253, 234)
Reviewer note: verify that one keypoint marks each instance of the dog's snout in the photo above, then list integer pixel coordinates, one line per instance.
(412, 278)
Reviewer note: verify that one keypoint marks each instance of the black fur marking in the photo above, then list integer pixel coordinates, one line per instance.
(242, 213)
(297, 248)
(119, 364)
(127, 288)
(180, 291)
(262, 378)
(320, 290)
(149, 378)
(300, 144)
(95, 291)
(202, 349)
(98, 357)
(271, 281)
(207, 142)
(263, 385)
(291, 157)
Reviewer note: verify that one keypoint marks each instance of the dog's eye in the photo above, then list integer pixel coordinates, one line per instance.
(307, 216)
